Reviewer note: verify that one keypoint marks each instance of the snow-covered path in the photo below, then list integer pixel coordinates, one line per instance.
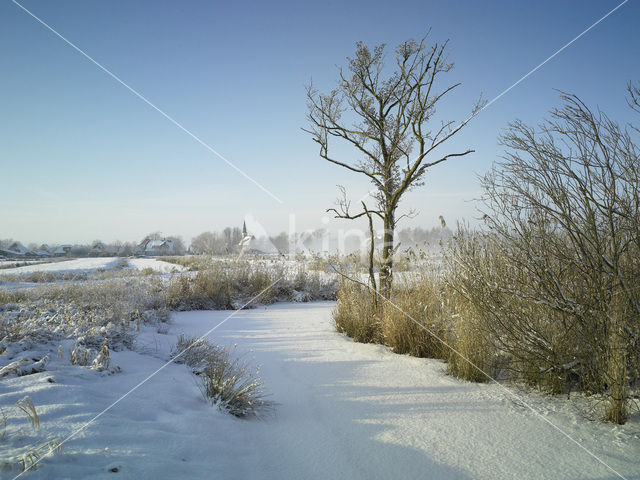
(353, 411)
(345, 411)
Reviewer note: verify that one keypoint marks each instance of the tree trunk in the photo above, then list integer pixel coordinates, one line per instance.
(372, 276)
(386, 268)
(616, 375)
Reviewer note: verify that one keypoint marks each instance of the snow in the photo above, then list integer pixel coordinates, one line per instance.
(155, 264)
(344, 411)
(6, 263)
(89, 264)
(71, 266)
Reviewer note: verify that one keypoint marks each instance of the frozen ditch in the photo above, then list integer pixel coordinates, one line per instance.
(344, 410)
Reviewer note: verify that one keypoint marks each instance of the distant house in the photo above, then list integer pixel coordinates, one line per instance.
(17, 250)
(155, 247)
(62, 250)
(43, 251)
(98, 249)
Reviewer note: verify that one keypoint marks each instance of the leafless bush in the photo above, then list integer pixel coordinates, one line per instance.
(554, 281)
(229, 284)
(549, 292)
(495, 321)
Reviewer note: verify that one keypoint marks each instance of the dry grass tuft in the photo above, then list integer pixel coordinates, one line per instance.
(226, 381)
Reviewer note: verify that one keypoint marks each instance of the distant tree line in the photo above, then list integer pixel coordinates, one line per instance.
(217, 243)
(97, 248)
(226, 242)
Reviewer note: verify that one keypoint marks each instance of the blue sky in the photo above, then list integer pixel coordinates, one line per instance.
(82, 158)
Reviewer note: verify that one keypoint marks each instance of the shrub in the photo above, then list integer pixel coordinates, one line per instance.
(354, 315)
(227, 381)
(227, 285)
(92, 313)
(511, 325)
(410, 323)
(417, 322)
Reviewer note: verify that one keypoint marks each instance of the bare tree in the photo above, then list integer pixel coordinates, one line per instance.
(6, 242)
(232, 237)
(204, 244)
(387, 120)
(634, 96)
(179, 247)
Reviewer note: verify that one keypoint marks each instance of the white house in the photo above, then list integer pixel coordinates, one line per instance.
(43, 251)
(16, 249)
(155, 247)
(62, 250)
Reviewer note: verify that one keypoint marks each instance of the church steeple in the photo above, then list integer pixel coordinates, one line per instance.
(244, 229)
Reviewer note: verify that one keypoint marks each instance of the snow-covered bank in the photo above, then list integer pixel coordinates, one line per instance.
(80, 265)
(155, 264)
(345, 410)
(85, 265)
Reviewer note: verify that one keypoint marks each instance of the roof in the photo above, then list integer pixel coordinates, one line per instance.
(18, 248)
(155, 244)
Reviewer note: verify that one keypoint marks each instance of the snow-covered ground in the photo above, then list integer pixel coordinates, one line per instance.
(8, 263)
(344, 411)
(80, 265)
(86, 265)
(155, 264)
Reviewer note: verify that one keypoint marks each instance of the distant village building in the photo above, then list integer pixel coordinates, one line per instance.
(17, 250)
(155, 247)
(246, 240)
(62, 250)
(98, 249)
(43, 251)
(256, 245)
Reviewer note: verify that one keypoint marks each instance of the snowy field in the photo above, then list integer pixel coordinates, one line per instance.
(87, 265)
(155, 265)
(80, 265)
(6, 263)
(344, 411)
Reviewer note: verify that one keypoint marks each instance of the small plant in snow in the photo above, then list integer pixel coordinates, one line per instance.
(102, 360)
(31, 455)
(80, 355)
(29, 459)
(227, 381)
